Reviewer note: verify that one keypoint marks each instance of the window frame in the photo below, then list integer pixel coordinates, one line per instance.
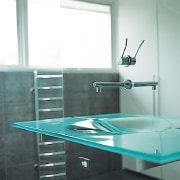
(22, 39)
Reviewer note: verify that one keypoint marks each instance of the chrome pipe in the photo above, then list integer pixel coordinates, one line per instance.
(108, 84)
(140, 84)
(99, 85)
(128, 84)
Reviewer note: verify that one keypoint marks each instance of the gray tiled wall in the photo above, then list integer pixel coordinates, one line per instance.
(17, 147)
(81, 99)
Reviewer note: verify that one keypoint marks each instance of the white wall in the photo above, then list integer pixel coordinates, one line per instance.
(169, 56)
(137, 22)
(157, 22)
(169, 73)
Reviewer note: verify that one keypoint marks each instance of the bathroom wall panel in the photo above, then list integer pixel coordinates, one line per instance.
(17, 87)
(80, 98)
(169, 63)
(106, 101)
(16, 112)
(18, 106)
(18, 101)
(2, 131)
(76, 94)
(137, 22)
(21, 172)
(1, 88)
(17, 146)
(2, 105)
(2, 159)
(1, 120)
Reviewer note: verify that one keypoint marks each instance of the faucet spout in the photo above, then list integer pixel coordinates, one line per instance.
(127, 84)
(108, 84)
(98, 89)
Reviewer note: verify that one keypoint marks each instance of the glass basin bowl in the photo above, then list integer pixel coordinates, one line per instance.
(136, 124)
(126, 125)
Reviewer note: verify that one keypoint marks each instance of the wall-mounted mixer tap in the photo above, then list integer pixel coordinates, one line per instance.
(127, 84)
(128, 60)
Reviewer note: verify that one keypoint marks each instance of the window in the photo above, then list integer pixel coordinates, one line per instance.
(46, 34)
(8, 33)
(86, 35)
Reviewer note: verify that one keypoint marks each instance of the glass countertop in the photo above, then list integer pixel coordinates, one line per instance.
(149, 138)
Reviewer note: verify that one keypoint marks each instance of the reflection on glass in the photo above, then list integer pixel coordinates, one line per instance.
(8, 33)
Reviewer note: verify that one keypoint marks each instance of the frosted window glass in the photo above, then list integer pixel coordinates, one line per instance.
(8, 33)
(44, 33)
(77, 38)
(86, 39)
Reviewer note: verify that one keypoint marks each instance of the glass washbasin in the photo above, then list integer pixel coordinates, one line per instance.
(118, 133)
(125, 125)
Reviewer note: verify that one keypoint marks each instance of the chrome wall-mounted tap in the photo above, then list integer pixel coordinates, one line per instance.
(128, 60)
(127, 84)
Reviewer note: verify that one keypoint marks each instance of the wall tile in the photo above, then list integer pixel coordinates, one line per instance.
(22, 172)
(17, 87)
(19, 148)
(80, 97)
(76, 95)
(2, 140)
(2, 150)
(1, 87)
(2, 159)
(16, 112)
(1, 120)
(2, 174)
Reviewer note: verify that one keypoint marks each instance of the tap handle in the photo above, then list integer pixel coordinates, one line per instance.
(125, 61)
(125, 47)
(139, 48)
(129, 60)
